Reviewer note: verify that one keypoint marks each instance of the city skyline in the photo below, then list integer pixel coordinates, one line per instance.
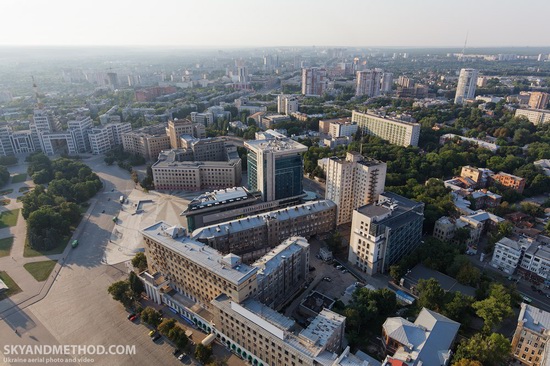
(246, 23)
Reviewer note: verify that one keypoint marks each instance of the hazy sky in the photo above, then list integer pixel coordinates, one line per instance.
(219, 23)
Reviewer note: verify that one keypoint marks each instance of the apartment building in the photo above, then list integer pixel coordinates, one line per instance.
(367, 82)
(353, 182)
(104, 138)
(510, 181)
(326, 124)
(275, 167)
(535, 116)
(535, 263)
(445, 229)
(395, 131)
(530, 344)
(506, 255)
(269, 121)
(282, 272)
(251, 237)
(262, 336)
(466, 89)
(194, 269)
(174, 171)
(314, 81)
(538, 100)
(480, 176)
(79, 129)
(385, 231)
(287, 104)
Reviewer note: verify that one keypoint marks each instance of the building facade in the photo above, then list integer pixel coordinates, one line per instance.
(510, 181)
(147, 141)
(531, 341)
(466, 88)
(385, 231)
(251, 237)
(287, 104)
(353, 182)
(275, 167)
(538, 100)
(395, 131)
(314, 81)
(367, 82)
(535, 116)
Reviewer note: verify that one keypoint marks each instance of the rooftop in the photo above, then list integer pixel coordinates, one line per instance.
(534, 318)
(509, 243)
(316, 302)
(389, 206)
(249, 222)
(427, 340)
(272, 260)
(197, 252)
(278, 144)
(219, 197)
(542, 251)
(446, 282)
(323, 326)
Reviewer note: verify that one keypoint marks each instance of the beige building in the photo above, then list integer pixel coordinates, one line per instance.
(264, 337)
(147, 142)
(176, 128)
(324, 124)
(353, 182)
(538, 100)
(480, 176)
(535, 116)
(199, 272)
(395, 131)
(253, 236)
(530, 344)
(171, 172)
(445, 228)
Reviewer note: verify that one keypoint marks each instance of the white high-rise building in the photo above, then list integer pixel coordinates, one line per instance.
(386, 83)
(80, 129)
(286, 104)
(368, 82)
(104, 138)
(353, 182)
(41, 123)
(314, 81)
(466, 88)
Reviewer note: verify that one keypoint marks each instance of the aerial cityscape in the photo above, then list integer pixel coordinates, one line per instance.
(242, 187)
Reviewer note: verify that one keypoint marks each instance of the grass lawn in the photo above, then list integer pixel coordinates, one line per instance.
(5, 202)
(9, 218)
(40, 270)
(24, 189)
(12, 286)
(6, 191)
(31, 252)
(5, 246)
(19, 178)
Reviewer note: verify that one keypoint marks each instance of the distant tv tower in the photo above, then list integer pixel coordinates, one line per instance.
(464, 48)
(39, 103)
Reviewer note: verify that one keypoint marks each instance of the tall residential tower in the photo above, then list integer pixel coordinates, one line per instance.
(466, 88)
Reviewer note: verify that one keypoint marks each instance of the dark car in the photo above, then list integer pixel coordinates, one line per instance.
(176, 352)
(311, 269)
(533, 287)
(156, 337)
(102, 211)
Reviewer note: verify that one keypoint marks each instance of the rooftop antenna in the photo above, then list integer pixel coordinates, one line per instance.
(39, 103)
(464, 48)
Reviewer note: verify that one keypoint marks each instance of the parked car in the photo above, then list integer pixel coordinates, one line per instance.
(328, 279)
(156, 338)
(311, 269)
(176, 352)
(345, 271)
(152, 333)
(133, 317)
(338, 267)
(102, 211)
(526, 299)
(130, 315)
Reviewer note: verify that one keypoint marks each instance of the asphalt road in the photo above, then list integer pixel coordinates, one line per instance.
(78, 310)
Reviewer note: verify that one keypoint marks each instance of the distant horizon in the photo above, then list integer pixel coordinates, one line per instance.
(255, 24)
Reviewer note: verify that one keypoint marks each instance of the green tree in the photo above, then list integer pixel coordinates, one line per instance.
(166, 325)
(430, 294)
(151, 316)
(135, 284)
(120, 291)
(134, 176)
(140, 261)
(467, 362)
(4, 175)
(492, 350)
(203, 353)
(177, 335)
(495, 308)
(459, 307)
